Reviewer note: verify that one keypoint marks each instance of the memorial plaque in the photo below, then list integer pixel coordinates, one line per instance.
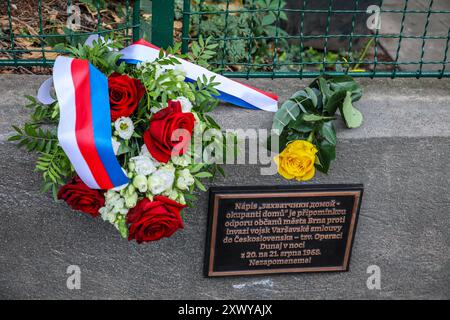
(261, 230)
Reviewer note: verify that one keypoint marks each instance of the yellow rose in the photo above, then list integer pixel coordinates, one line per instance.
(297, 161)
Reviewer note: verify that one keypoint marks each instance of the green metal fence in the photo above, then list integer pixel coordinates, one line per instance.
(286, 38)
(306, 38)
(22, 44)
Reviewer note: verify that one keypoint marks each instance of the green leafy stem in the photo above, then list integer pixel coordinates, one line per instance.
(309, 113)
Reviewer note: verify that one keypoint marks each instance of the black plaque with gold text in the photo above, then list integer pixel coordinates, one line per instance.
(281, 229)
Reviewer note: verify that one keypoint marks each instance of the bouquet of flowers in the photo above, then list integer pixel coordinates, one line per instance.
(145, 175)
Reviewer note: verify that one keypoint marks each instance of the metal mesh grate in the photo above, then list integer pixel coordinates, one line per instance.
(262, 38)
(31, 31)
(306, 38)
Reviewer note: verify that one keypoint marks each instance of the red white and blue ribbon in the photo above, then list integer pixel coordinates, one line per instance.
(84, 130)
(230, 91)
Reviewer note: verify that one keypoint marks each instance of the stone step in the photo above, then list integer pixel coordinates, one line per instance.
(401, 155)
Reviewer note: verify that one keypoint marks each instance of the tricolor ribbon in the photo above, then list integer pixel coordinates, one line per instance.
(84, 130)
(230, 91)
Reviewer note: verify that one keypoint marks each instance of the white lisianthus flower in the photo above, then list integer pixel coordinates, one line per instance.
(124, 127)
(130, 196)
(140, 182)
(185, 179)
(186, 105)
(131, 200)
(114, 206)
(162, 180)
(109, 195)
(117, 205)
(143, 165)
(130, 190)
(107, 215)
(145, 152)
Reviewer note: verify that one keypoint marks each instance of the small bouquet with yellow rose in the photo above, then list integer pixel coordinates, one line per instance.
(304, 125)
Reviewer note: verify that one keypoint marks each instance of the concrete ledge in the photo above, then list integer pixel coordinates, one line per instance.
(391, 108)
(401, 154)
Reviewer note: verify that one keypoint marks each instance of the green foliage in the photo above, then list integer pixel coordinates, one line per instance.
(42, 113)
(122, 226)
(313, 58)
(202, 51)
(252, 36)
(34, 138)
(101, 54)
(309, 113)
(352, 116)
(169, 85)
(260, 24)
(55, 168)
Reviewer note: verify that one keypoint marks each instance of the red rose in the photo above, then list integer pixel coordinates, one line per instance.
(153, 220)
(124, 95)
(80, 197)
(164, 125)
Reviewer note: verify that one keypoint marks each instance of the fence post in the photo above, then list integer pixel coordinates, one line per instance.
(163, 15)
(136, 20)
(186, 25)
